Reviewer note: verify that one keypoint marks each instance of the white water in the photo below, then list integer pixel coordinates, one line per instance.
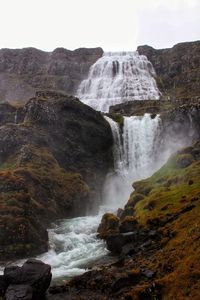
(118, 77)
(135, 156)
(73, 243)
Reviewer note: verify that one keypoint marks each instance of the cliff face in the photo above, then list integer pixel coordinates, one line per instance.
(54, 155)
(177, 68)
(23, 71)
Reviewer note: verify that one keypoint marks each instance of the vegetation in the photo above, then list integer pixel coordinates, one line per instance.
(33, 189)
(172, 207)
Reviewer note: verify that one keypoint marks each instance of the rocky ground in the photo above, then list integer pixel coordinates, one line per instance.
(156, 238)
(55, 152)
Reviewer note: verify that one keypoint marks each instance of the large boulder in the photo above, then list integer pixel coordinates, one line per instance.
(27, 282)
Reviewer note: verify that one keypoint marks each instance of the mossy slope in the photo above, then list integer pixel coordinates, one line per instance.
(171, 206)
(34, 191)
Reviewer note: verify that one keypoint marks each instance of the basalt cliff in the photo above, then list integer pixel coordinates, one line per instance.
(25, 71)
(177, 69)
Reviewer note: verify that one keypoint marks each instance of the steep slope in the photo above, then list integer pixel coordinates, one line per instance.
(156, 236)
(158, 231)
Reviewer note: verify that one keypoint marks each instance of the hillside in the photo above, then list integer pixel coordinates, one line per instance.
(156, 237)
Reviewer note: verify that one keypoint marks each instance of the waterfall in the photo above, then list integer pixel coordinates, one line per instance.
(116, 78)
(141, 138)
(136, 157)
(113, 79)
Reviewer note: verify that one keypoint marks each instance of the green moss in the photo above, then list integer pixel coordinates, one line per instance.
(117, 118)
(10, 164)
(170, 189)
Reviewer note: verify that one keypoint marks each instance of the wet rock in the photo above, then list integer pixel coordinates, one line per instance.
(125, 280)
(115, 242)
(129, 223)
(109, 223)
(148, 273)
(127, 212)
(33, 278)
(3, 285)
(20, 291)
(119, 212)
(128, 249)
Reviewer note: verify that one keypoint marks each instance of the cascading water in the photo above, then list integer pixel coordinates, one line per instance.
(118, 77)
(135, 156)
(112, 79)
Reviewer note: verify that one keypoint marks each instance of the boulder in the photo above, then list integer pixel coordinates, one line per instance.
(109, 223)
(127, 212)
(30, 280)
(3, 285)
(19, 291)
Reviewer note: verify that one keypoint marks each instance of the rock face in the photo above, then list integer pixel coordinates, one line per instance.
(53, 162)
(177, 68)
(27, 282)
(24, 71)
(179, 120)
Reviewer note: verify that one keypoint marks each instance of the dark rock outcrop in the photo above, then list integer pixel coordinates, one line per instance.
(179, 120)
(52, 165)
(177, 68)
(27, 282)
(24, 71)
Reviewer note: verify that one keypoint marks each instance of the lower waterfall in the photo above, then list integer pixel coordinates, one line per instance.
(73, 242)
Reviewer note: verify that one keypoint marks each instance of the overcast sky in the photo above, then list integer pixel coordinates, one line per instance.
(111, 24)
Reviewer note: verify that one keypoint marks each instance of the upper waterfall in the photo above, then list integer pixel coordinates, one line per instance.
(117, 77)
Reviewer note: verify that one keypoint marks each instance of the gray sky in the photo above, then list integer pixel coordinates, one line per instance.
(111, 24)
